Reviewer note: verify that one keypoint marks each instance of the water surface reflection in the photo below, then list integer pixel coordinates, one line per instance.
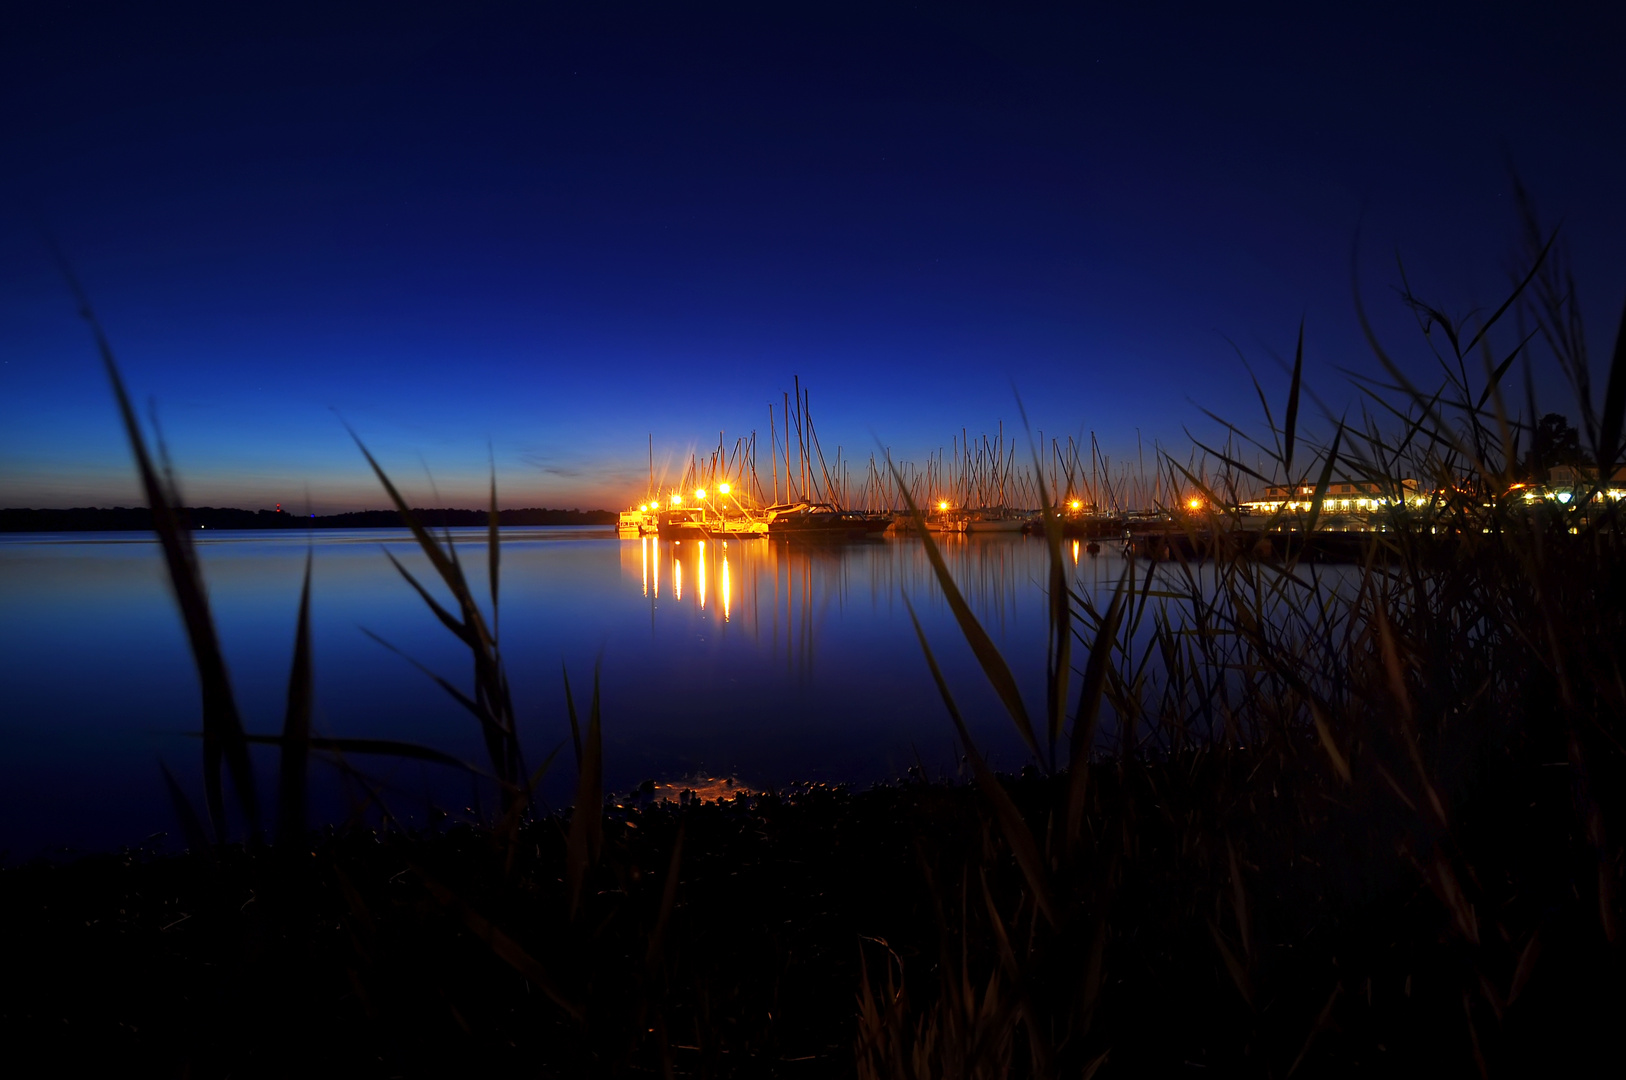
(753, 658)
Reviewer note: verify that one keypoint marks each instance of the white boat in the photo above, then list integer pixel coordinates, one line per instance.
(639, 521)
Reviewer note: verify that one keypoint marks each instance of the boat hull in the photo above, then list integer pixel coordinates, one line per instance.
(995, 525)
(838, 526)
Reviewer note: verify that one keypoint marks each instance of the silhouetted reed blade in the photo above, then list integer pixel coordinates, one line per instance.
(1281, 819)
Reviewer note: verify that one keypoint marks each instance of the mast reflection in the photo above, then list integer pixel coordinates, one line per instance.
(778, 594)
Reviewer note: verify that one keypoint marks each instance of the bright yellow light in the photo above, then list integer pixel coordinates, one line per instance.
(943, 505)
(677, 500)
(1194, 504)
(722, 489)
(643, 507)
(1077, 505)
(700, 493)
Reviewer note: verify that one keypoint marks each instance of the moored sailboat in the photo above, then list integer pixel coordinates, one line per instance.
(823, 521)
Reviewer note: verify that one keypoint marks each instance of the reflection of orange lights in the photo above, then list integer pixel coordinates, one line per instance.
(677, 578)
(1075, 552)
(726, 588)
(643, 554)
(700, 573)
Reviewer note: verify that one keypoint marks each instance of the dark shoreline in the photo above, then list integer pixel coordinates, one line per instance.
(435, 952)
(139, 518)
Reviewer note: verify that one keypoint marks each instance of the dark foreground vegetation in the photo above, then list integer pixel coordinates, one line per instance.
(1238, 931)
(1278, 822)
(140, 519)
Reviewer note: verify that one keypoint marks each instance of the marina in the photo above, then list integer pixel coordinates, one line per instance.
(982, 486)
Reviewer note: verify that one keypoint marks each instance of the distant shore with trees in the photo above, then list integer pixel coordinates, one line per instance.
(139, 518)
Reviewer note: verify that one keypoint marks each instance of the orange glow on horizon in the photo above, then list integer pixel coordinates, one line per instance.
(702, 788)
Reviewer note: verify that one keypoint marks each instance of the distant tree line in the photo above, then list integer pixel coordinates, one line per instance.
(139, 518)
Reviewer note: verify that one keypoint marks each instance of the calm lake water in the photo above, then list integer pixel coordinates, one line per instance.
(760, 660)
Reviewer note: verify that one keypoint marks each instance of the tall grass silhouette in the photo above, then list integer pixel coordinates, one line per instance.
(1444, 719)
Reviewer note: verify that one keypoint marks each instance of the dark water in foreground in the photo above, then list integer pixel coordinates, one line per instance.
(765, 661)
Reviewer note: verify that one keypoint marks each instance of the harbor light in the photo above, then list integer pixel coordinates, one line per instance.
(722, 489)
(1194, 504)
(700, 493)
(943, 505)
(1077, 505)
(677, 500)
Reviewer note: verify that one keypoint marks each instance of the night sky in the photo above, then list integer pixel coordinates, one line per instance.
(554, 230)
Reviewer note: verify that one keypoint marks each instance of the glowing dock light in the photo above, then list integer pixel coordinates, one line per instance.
(1077, 505)
(677, 500)
(943, 505)
(700, 493)
(1194, 504)
(723, 489)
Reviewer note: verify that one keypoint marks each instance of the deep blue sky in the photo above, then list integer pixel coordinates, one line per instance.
(561, 232)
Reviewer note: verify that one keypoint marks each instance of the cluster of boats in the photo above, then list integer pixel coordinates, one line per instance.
(704, 517)
(813, 520)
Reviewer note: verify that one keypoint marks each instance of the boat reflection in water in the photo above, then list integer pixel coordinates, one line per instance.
(773, 595)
